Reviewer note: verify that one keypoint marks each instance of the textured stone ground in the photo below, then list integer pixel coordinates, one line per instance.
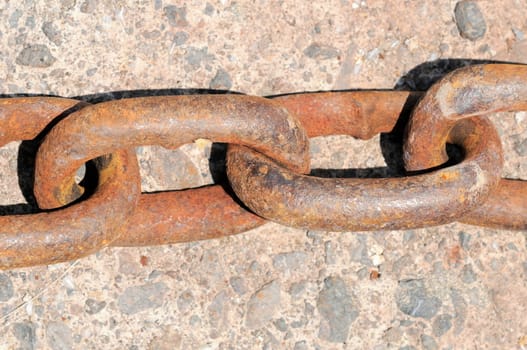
(448, 287)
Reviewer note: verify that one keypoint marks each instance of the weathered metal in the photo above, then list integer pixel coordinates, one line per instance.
(170, 121)
(468, 92)
(79, 229)
(438, 197)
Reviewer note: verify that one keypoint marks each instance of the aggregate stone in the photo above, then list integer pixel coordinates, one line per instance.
(177, 16)
(217, 309)
(301, 345)
(322, 52)
(521, 146)
(442, 324)
(6, 287)
(469, 19)
(412, 299)
(468, 275)
(460, 310)
(428, 342)
(280, 324)
(92, 306)
(195, 56)
(52, 33)
(36, 55)
(221, 81)
(88, 6)
(139, 298)
(185, 300)
(336, 309)
(59, 336)
(180, 38)
(238, 284)
(263, 305)
(289, 261)
(464, 240)
(25, 332)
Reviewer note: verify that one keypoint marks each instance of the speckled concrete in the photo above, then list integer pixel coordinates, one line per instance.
(448, 287)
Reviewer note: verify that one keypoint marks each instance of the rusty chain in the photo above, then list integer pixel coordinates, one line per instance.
(267, 165)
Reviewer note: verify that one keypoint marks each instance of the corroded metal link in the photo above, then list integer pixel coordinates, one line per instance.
(435, 198)
(176, 216)
(471, 91)
(79, 229)
(169, 121)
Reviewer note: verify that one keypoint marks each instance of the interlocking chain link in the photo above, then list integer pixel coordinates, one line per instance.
(267, 165)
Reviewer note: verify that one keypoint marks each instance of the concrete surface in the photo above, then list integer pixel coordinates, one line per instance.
(448, 287)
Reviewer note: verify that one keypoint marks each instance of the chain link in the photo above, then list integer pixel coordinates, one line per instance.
(267, 165)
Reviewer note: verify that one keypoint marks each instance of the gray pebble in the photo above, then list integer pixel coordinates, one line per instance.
(92, 306)
(13, 19)
(25, 333)
(180, 38)
(289, 261)
(521, 146)
(195, 56)
(184, 301)
(300, 345)
(460, 310)
(280, 324)
(412, 299)
(468, 275)
(518, 34)
(407, 347)
(209, 9)
(35, 56)
(464, 240)
(330, 255)
(221, 81)
(442, 324)
(238, 285)
(138, 298)
(52, 33)
(88, 6)
(428, 342)
(469, 20)
(59, 336)
(6, 287)
(524, 264)
(216, 309)
(322, 52)
(336, 309)
(400, 264)
(262, 305)
(359, 252)
(177, 16)
(297, 289)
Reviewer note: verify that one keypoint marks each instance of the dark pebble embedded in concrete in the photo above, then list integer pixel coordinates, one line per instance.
(6, 287)
(442, 324)
(468, 275)
(289, 261)
(221, 81)
(322, 52)
(59, 336)
(52, 33)
(469, 20)
(428, 342)
(177, 16)
(138, 298)
(36, 55)
(180, 38)
(25, 332)
(521, 146)
(412, 299)
(92, 306)
(336, 309)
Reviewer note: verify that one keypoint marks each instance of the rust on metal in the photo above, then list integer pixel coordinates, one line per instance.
(185, 216)
(370, 204)
(362, 114)
(79, 229)
(168, 121)
(468, 92)
(175, 216)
